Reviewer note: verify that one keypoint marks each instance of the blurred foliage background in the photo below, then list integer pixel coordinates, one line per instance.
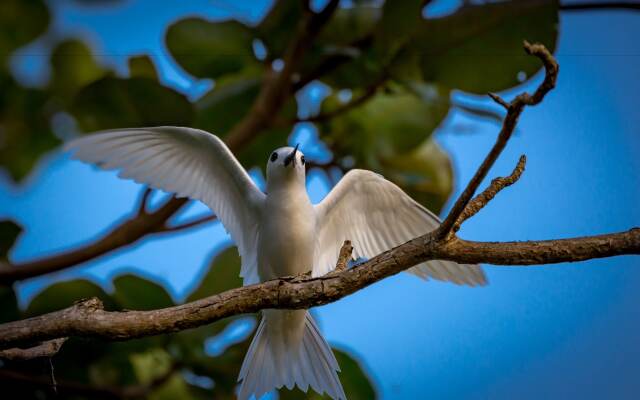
(388, 70)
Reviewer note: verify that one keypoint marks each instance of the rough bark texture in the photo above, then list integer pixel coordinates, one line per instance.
(88, 318)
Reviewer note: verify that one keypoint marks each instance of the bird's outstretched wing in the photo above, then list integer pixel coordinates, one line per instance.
(376, 215)
(191, 163)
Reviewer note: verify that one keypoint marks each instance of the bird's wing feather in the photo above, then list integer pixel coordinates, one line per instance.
(376, 215)
(191, 163)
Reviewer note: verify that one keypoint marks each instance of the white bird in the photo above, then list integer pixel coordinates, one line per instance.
(278, 233)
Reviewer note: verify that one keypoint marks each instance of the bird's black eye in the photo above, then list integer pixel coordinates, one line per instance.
(274, 156)
(302, 160)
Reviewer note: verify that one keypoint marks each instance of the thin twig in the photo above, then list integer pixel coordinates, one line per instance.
(489, 193)
(514, 110)
(144, 199)
(48, 348)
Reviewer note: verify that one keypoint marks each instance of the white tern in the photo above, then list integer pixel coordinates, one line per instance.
(278, 233)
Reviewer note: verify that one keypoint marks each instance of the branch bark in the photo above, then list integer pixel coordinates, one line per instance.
(44, 349)
(89, 319)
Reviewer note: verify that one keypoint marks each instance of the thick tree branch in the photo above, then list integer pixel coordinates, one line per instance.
(514, 109)
(89, 319)
(124, 234)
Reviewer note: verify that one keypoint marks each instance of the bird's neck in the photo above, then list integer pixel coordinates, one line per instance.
(287, 193)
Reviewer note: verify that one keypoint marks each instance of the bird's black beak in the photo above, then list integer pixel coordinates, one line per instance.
(291, 157)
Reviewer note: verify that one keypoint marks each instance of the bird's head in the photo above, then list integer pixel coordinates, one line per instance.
(286, 164)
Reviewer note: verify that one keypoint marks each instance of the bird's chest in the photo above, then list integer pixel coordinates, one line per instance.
(287, 238)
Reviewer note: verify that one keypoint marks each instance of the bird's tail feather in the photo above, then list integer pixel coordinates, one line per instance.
(289, 350)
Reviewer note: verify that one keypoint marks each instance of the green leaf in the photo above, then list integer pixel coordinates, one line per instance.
(479, 49)
(399, 20)
(21, 22)
(388, 124)
(275, 29)
(72, 67)
(424, 173)
(349, 25)
(135, 293)
(142, 67)
(226, 104)
(24, 127)
(9, 232)
(210, 49)
(357, 385)
(124, 103)
(223, 274)
(64, 294)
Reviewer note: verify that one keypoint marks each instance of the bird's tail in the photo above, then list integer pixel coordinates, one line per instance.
(289, 350)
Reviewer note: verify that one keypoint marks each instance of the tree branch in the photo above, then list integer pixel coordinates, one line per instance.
(124, 234)
(514, 109)
(277, 87)
(592, 6)
(44, 349)
(89, 319)
(489, 193)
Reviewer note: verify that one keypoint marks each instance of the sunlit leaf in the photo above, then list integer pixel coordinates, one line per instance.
(123, 103)
(479, 49)
(135, 293)
(210, 49)
(64, 294)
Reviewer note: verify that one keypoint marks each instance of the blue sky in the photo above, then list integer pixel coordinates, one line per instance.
(549, 331)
